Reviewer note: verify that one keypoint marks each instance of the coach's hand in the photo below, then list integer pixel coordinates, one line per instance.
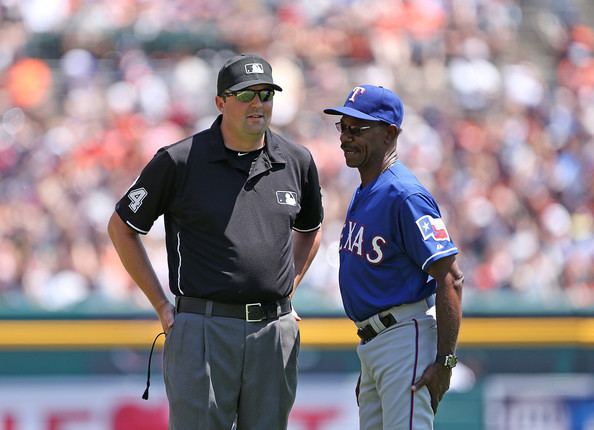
(437, 379)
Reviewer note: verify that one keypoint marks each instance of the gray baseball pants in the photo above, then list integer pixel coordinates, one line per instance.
(218, 370)
(390, 363)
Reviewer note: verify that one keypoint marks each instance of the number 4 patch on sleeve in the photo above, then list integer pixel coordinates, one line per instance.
(136, 197)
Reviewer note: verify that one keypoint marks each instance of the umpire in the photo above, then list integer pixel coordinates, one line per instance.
(242, 211)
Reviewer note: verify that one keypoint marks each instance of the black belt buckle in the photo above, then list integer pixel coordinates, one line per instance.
(254, 312)
(368, 332)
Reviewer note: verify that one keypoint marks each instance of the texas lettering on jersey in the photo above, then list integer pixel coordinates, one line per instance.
(358, 243)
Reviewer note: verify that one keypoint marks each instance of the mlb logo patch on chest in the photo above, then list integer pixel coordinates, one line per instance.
(286, 198)
(432, 228)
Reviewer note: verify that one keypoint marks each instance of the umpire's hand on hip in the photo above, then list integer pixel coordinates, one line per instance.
(166, 312)
(437, 379)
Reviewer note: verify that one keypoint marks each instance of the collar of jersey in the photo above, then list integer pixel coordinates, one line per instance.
(218, 153)
(378, 179)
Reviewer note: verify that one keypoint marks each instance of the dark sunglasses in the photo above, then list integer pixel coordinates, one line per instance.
(354, 130)
(246, 96)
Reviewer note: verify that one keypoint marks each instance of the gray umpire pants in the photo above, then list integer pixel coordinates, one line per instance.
(220, 369)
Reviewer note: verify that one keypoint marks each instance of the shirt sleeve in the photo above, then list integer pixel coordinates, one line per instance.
(150, 194)
(425, 236)
(312, 213)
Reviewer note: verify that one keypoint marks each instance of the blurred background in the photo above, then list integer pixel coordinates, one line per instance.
(499, 125)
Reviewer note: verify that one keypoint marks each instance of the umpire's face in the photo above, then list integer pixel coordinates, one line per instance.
(246, 118)
(364, 143)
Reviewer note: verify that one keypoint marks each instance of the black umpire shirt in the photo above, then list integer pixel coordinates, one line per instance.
(228, 221)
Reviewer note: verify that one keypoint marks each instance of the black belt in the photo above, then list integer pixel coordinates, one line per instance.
(368, 332)
(251, 312)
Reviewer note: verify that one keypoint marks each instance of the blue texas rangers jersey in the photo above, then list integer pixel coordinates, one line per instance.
(393, 232)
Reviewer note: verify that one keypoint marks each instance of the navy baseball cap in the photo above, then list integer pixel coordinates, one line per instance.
(371, 103)
(243, 71)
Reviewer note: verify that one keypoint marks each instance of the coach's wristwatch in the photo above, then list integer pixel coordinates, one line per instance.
(448, 361)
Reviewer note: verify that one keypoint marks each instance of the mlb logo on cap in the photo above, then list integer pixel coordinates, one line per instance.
(243, 71)
(254, 68)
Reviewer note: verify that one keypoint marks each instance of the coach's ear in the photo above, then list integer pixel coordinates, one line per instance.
(392, 132)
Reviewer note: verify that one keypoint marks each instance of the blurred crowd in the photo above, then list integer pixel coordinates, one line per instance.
(499, 125)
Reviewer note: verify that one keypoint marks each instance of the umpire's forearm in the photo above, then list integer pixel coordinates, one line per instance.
(135, 260)
(305, 248)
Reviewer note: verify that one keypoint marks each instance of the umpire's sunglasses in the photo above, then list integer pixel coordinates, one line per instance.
(246, 96)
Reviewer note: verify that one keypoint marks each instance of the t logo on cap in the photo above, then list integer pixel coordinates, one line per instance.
(355, 93)
(254, 68)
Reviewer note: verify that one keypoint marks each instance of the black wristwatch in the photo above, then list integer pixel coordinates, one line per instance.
(448, 361)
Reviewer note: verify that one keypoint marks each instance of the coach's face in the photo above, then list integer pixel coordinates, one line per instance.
(364, 143)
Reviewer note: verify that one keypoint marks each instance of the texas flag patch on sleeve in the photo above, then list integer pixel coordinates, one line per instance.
(432, 228)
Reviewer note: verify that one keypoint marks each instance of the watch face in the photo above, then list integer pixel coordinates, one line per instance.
(448, 361)
(451, 361)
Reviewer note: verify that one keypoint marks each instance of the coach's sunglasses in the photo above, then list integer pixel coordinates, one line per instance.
(354, 130)
(246, 96)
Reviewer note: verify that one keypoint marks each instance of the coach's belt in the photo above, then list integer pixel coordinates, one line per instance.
(371, 327)
(368, 332)
(251, 312)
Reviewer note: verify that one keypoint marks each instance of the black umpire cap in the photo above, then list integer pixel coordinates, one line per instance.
(243, 71)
